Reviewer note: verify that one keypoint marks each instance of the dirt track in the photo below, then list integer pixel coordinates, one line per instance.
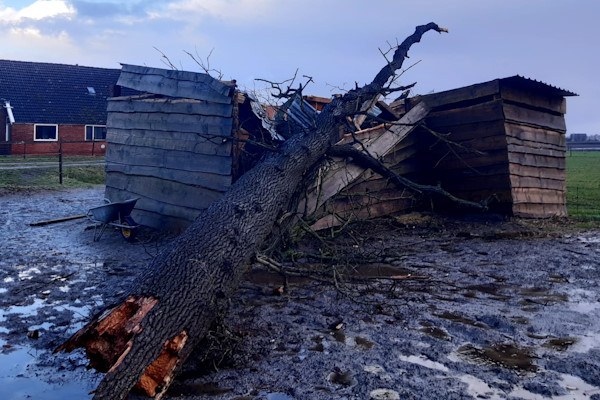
(491, 310)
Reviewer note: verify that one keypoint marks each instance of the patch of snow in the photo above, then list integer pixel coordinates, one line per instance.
(425, 362)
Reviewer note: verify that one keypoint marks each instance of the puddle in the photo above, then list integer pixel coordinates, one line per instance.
(459, 318)
(489, 289)
(589, 239)
(560, 344)
(500, 355)
(576, 389)
(272, 396)
(586, 342)
(478, 389)
(342, 378)
(542, 296)
(557, 278)
(433, 331)
(585, 307)
(339, 336)
(363, 343)
(17, 382)
(384, 394)
(424, 362)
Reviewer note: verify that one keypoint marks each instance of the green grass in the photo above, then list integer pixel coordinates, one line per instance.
(47, 178)
(583, 184)
(45, 159)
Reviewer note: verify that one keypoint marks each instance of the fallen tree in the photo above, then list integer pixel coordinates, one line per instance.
(142, 341)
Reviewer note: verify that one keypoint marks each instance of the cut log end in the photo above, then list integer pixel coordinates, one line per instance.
(108, 339)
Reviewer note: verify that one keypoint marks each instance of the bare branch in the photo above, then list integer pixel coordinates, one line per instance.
(205, 64)
(165, 60)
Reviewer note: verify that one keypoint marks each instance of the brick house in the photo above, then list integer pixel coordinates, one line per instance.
(47, 106)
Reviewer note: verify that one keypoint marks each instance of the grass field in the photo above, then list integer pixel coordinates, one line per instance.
(583, 184)
(48, 178)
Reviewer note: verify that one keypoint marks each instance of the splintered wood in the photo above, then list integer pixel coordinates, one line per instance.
(160, 373)
(108, 338)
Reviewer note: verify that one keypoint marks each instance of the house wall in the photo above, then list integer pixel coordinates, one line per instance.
(66, 133)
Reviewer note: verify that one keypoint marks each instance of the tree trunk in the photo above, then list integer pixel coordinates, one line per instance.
(143, 341)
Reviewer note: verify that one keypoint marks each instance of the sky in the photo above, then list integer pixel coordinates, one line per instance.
(336, 42)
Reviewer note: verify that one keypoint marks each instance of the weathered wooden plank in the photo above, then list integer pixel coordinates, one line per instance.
(182, 141)
(343, 174)
(537, 118)
(538, 196)
(184, 84)
(556, 104)
(534, 182)
(485, 112)
(533, 160)
(167, 105)
(174, 159)
(525, 210)
(202, 179)
(469, 131)
(168, 192)
(534, 145)
(467, 93)
(537, 172)
(533, 134)
(536, 150)
(208, 126)
(468, 160)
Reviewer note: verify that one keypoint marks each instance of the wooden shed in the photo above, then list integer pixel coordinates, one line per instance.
(172, 147)
(501, 141)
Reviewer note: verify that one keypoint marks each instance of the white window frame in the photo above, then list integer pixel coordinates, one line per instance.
(35, 139)
(93, 133)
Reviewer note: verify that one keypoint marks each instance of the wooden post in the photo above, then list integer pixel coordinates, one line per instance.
(60, 162)
(93, 142)
(24, 150)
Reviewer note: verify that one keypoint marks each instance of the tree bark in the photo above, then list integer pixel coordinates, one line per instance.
(142, 341)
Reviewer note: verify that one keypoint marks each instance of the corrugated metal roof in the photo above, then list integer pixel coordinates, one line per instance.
(298, 112)
(56, 93)
(537, 85)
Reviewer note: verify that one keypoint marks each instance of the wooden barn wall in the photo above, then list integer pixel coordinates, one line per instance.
(536, 142)
(175, 155)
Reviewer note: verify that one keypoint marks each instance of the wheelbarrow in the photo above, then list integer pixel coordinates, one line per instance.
(114, 214)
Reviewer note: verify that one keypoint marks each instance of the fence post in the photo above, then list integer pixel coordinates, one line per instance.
(60, 162)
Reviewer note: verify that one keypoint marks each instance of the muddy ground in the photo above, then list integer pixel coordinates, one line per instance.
(444, 308)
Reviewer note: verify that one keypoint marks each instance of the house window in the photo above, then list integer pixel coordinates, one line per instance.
(95, 132)
(44, 132)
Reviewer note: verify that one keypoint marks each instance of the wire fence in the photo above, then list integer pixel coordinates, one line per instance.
(27, 155)
(56, 148)
(583, 205)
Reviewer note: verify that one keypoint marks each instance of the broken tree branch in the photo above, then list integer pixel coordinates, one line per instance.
(191, 280)
(367, 161)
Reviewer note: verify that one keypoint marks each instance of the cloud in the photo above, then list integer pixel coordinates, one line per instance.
(39, 10)
(231, 11)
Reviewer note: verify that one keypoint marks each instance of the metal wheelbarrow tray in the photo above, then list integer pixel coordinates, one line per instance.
(114, 214)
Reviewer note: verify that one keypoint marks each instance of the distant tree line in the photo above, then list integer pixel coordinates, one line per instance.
(583, 137)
